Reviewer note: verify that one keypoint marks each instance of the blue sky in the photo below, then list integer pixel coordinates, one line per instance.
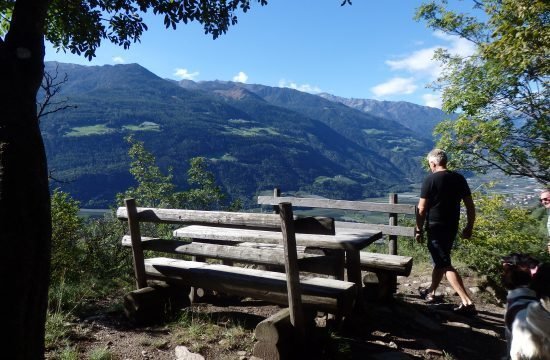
(371, 49)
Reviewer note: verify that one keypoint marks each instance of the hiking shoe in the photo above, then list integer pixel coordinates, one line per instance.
(426, 295)
(465, 309)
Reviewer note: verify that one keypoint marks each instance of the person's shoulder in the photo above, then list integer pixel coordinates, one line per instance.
(455, 174)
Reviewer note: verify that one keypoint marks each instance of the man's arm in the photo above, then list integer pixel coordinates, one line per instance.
(420, 218)
(470, 216)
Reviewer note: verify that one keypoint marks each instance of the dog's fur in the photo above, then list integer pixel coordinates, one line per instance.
(527, 316)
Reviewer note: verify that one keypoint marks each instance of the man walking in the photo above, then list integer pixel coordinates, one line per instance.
(439, 209)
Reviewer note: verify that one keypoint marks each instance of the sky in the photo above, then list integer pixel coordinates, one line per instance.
(370, 50)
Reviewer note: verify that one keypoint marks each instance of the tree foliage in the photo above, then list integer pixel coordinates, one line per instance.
(501, 92)
(500, 229)
(79, 26)
(66, 234)
(155, 189)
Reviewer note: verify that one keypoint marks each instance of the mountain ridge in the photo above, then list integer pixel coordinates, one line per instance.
(254, 137)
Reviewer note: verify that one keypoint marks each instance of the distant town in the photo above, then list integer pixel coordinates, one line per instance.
(520, 191)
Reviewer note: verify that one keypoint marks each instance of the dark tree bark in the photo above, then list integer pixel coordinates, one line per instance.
(25, 219)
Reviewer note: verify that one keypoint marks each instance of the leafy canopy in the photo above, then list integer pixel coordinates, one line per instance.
(79, 25)
(155, 189)
(501, 92)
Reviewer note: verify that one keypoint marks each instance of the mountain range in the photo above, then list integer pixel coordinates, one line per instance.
(254, 137)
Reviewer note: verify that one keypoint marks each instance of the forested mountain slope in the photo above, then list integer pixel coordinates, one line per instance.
(255, 137)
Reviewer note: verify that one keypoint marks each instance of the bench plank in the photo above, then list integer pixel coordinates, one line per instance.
(343, 227)
(401, 265)
(339, 204)
(203, 217)
(360, 239)
(327, 294)
(262, 255)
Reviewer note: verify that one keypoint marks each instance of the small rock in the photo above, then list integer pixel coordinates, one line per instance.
(489, 332)
(474, 289)
(392, 345)
(241, 353)
(183, 353)
(458, 324)
(434, 352)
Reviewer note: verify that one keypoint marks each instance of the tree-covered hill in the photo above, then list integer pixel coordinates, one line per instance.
(254, 137)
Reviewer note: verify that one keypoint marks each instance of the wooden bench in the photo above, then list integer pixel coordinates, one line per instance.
(289, 288)
(386, 267)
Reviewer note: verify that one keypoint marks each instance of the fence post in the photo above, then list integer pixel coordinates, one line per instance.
(276, 193)
(292, 271)
(137, 250)
(392, 239)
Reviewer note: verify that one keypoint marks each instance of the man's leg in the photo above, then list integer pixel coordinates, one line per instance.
(439, 259)
(456, 282)
(437, 276)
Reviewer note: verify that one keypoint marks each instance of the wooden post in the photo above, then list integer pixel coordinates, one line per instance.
(276, 194)
(137, 250)
(292, 272)
(392, 239)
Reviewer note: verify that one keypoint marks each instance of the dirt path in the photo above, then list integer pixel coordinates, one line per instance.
(406, 328)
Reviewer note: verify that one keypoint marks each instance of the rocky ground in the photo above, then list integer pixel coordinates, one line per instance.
(406, 328)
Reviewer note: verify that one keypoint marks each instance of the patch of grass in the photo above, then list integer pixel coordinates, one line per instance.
(57, 330)
(337, 178)
(144, 126)
(448, 356)
(197, 331)
(101, 353)
(67, 353)
(239, 121)
(225, 157)
(100, 129)
(238, 338)
(373, 131)
(251, 132)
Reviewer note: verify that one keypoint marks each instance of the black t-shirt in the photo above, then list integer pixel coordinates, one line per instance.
(444, 191)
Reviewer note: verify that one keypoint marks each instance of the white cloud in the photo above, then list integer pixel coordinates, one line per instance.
(118, 60)
(240, 77)
(304, 87)
(458, 45)
(419, 61)
(432, 100)
(420, 67)
(185, 74)
(395, 86)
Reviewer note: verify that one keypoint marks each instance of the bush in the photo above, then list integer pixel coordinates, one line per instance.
(499, 230)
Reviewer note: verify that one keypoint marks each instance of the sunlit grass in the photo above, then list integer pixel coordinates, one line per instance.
(100, 129)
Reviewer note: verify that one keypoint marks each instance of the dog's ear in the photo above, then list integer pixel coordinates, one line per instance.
(541, 280)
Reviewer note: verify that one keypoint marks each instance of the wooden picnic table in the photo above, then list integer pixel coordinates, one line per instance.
(351, 242)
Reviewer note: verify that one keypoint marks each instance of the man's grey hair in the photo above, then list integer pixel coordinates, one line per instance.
(438, 157)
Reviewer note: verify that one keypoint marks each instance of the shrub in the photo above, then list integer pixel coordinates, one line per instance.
(499, 230)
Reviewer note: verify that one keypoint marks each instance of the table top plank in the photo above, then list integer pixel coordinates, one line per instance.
(353, 240)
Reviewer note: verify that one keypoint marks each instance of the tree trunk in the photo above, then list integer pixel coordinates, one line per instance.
(25, 219)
